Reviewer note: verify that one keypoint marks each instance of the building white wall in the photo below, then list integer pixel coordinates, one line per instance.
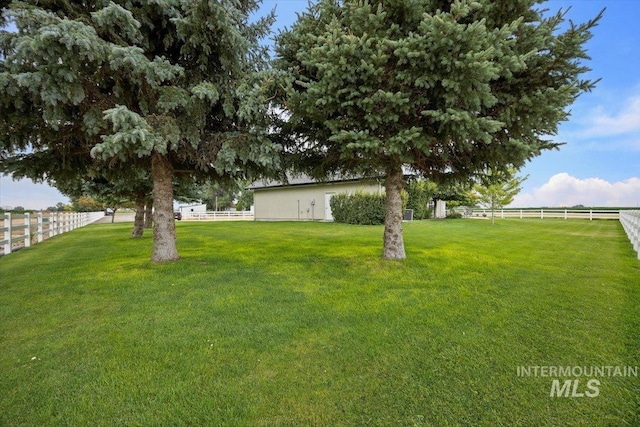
(303, 202)
(192, 208)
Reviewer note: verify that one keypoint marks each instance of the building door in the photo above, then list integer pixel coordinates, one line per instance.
(328, 216)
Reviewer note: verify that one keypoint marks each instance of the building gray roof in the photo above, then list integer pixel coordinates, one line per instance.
(300, 179)
(304, 179)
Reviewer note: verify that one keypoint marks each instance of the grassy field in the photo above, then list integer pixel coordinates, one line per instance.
(302, 324)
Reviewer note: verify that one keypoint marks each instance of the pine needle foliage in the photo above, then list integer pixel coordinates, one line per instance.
(447, 88)
(167, 86)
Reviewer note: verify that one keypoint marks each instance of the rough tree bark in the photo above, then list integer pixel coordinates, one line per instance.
(148, 213)
(138, 220)
(164, 227)
(393, 243)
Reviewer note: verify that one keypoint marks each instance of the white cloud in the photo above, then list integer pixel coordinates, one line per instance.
(627, 120)
(565, 190)
(613, 119)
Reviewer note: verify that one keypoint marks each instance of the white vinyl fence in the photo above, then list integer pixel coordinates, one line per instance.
(218, 216)
(590, 214)
(630, 221)
(23, 230)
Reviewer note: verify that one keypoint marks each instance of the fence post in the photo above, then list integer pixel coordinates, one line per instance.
(27, 231)
(44, 226)
(590, 214)
(541, 213)
(637, 228)
(40, 227)
(565, 214)
(631, 223)
(50, 229)
(634, 230)
(7, 233)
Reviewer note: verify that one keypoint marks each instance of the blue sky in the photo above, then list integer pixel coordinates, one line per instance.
(600, 163)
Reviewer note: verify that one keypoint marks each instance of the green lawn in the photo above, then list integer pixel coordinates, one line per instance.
(302, 324)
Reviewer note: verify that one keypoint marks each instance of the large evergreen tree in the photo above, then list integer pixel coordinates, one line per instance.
(447, 88)
(158, 86)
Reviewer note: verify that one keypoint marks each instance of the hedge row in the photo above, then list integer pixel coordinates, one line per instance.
(360, 208)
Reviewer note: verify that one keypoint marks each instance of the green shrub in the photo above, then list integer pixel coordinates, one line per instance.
(361, 208)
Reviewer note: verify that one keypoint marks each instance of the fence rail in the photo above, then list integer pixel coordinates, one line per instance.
(23, 230)
(630, 221)
(589, 214)
(218, 216)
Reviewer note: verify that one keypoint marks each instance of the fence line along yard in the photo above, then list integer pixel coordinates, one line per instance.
(23, 230)
(590, 214)
(630, 221)
(218, 216)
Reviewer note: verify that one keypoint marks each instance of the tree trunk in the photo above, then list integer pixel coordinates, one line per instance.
(164, 227)
(113, 215)
(493, 212)
(393, 246)
(148, 214)
(138, 220)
